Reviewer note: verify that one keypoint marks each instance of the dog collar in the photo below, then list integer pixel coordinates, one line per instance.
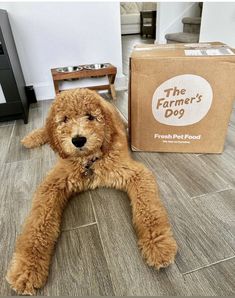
(88, 171)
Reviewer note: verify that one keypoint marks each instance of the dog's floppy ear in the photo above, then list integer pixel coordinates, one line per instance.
(51, 134)
(36, 138)
(114, 127)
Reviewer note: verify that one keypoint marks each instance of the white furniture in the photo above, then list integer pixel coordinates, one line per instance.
(130, 23)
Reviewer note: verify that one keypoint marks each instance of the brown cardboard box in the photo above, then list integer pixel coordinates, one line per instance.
(180, 97)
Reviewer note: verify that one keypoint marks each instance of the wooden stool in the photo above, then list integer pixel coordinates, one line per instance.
(148, 28)
(110, 71)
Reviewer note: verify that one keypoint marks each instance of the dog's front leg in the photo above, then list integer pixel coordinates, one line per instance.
(150, 218)
(34, 247)
(36, 138)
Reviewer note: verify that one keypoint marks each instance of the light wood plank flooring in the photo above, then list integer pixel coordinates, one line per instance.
(128, 42)
(97, 253)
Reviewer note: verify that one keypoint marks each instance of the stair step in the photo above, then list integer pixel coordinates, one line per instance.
(190, 20)
(191, 28)
(182, 37)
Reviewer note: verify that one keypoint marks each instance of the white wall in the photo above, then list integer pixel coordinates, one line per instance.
(169, 17)
(49, 35)
(218, 22)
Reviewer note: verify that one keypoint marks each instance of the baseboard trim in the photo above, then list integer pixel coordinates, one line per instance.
(121, 83)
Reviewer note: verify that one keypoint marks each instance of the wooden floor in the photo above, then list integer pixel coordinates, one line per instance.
(128, 42)
(97, 253)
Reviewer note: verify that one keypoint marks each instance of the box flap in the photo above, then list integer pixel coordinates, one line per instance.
(213, 49)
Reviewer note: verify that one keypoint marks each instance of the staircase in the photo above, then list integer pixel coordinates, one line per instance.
(190, 34)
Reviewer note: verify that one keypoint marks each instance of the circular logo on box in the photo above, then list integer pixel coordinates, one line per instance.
(182, 100)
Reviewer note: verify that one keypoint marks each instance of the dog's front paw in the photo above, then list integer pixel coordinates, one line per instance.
(29, 142)
(24, 277)
(158, 250)
(35, 138)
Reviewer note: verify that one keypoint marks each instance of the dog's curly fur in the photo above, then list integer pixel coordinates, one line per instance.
(103, 161)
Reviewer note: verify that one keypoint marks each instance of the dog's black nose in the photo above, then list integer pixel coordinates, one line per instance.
(79, 141)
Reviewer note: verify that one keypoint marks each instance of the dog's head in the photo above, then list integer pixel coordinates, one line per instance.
(81, 122)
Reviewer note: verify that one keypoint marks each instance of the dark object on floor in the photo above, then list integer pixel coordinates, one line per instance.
(30, 94)
(148, 23)
(13, 101)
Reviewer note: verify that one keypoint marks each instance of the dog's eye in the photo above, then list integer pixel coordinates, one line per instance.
(90, 117)
(65, 119)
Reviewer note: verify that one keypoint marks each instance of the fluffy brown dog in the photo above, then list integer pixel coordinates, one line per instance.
(89, 136)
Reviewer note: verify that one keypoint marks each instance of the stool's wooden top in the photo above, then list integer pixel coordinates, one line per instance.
(57, 76)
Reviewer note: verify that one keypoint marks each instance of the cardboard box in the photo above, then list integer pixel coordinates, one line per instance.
(181, 97)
